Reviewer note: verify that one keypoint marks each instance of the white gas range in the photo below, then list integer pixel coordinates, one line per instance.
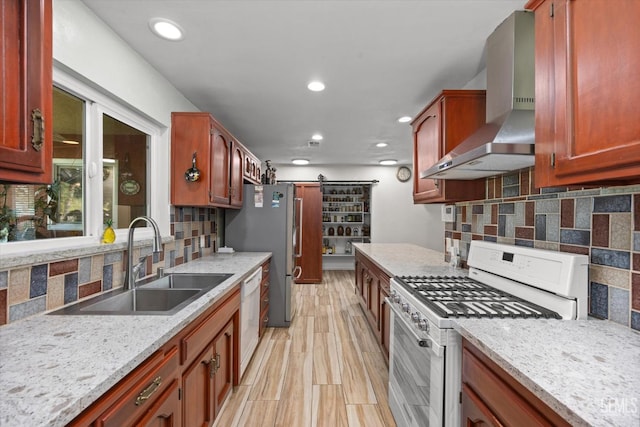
(504, 281)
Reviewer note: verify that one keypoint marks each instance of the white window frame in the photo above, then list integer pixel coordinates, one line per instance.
(98, 103)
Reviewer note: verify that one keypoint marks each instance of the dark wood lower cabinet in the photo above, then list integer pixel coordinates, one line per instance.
(492, 397)
(372, 287)
(184, 383)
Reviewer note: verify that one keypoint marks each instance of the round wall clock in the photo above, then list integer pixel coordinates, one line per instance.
(403, 174)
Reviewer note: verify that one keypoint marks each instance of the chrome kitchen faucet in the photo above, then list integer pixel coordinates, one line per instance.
(132, 272)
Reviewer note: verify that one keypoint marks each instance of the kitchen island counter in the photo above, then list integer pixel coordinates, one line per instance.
(52, 367)
(587, 371)
(405, 259)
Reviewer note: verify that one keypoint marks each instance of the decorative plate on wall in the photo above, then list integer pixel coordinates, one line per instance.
(130, 187)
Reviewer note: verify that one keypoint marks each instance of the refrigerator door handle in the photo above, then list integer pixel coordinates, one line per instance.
(297, 272)
(298, 226)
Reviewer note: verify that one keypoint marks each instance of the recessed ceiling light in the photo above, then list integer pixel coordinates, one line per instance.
(388, 162)
(300, 162)
(166, 29)
(316, 86)
(381, 144)
(404, 119)
(316, 137)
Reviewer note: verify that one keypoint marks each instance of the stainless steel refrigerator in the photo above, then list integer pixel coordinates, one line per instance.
(268, 221)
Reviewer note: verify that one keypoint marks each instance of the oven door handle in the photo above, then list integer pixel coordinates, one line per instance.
(435, 348)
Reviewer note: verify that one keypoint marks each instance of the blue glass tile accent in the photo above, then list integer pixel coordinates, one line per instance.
(519, 217)
(612, 203)
(543, 196)
(172, 258)
(619, 305)
(186, 253)
(27, 308)
(112, 257)
(527, 243)
(509, 228)
(506, 208)
(466, 228)
(84, 270)
(4, 279)
(619, 259)
(511, 191)
(636, 246)
(599, 300)
(70, 287)
(548, 206)
(583, 212)
(179, 215)
(553, 227)
(635, 320)
(38, 282)
(541, 227)
(511, 179)
(493, 239)
(107, 277)
(502, 225)
(172, 217)
(550, 190)
(179, 235)
(155, 257)
(575, 237)
(477, 209)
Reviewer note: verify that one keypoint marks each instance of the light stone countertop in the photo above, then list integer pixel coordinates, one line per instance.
(53, 367)
(588, 371)
(404, 259)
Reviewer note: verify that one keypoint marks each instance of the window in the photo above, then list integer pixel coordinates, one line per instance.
(102, 152)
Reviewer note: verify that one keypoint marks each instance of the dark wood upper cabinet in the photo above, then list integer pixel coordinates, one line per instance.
(26, 129)
(447, 121)
(587, 59)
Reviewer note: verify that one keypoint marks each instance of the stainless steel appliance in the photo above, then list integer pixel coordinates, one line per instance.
(503, 281)
(269, 222)
(506, 142)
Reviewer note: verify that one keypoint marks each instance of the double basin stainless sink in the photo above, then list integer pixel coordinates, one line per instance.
(165, 295)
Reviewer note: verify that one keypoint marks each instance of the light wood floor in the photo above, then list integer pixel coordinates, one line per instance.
(325, 370)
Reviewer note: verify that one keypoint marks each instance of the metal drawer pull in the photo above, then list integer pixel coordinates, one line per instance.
(148, 392)
(211, 363)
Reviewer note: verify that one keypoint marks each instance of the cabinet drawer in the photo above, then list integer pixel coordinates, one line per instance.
(507, 399)
(144, 392)
(199, 336)
(264, 300)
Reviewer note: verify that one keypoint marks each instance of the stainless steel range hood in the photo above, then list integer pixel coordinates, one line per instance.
(506, 142)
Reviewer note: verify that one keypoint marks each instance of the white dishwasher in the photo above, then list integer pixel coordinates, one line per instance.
(249, 317)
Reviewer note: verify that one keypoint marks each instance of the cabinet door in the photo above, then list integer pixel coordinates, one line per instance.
(190, 134)
(220, 163)
(359, 272)
(197, 384)
(587, 63)
(474, 411)
(373, 303)
(311, 233)
(236, 181)
(385, 318)
(426, 152)
(451, 118)
(26, 128)
(223, 378)
(166, 411)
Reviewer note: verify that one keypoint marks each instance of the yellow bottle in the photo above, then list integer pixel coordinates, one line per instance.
(109, 236)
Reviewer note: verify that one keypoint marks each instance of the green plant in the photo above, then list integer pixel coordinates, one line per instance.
(7, 217)
(46, 201)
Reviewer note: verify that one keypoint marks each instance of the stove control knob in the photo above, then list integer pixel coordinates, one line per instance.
(423, 325)
(395, 298)
(405, 307)
(415, 317)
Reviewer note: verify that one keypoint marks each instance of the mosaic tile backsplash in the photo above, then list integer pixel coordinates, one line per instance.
(603, 223)
(28, 290)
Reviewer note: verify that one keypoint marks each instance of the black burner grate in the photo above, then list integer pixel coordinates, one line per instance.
(460, 296)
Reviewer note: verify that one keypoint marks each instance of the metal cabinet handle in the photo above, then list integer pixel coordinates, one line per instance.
(148, 392)
(211, 363)
(37, 138)
(217, 361)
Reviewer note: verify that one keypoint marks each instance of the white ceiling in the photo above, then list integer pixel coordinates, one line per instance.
(248, 62)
